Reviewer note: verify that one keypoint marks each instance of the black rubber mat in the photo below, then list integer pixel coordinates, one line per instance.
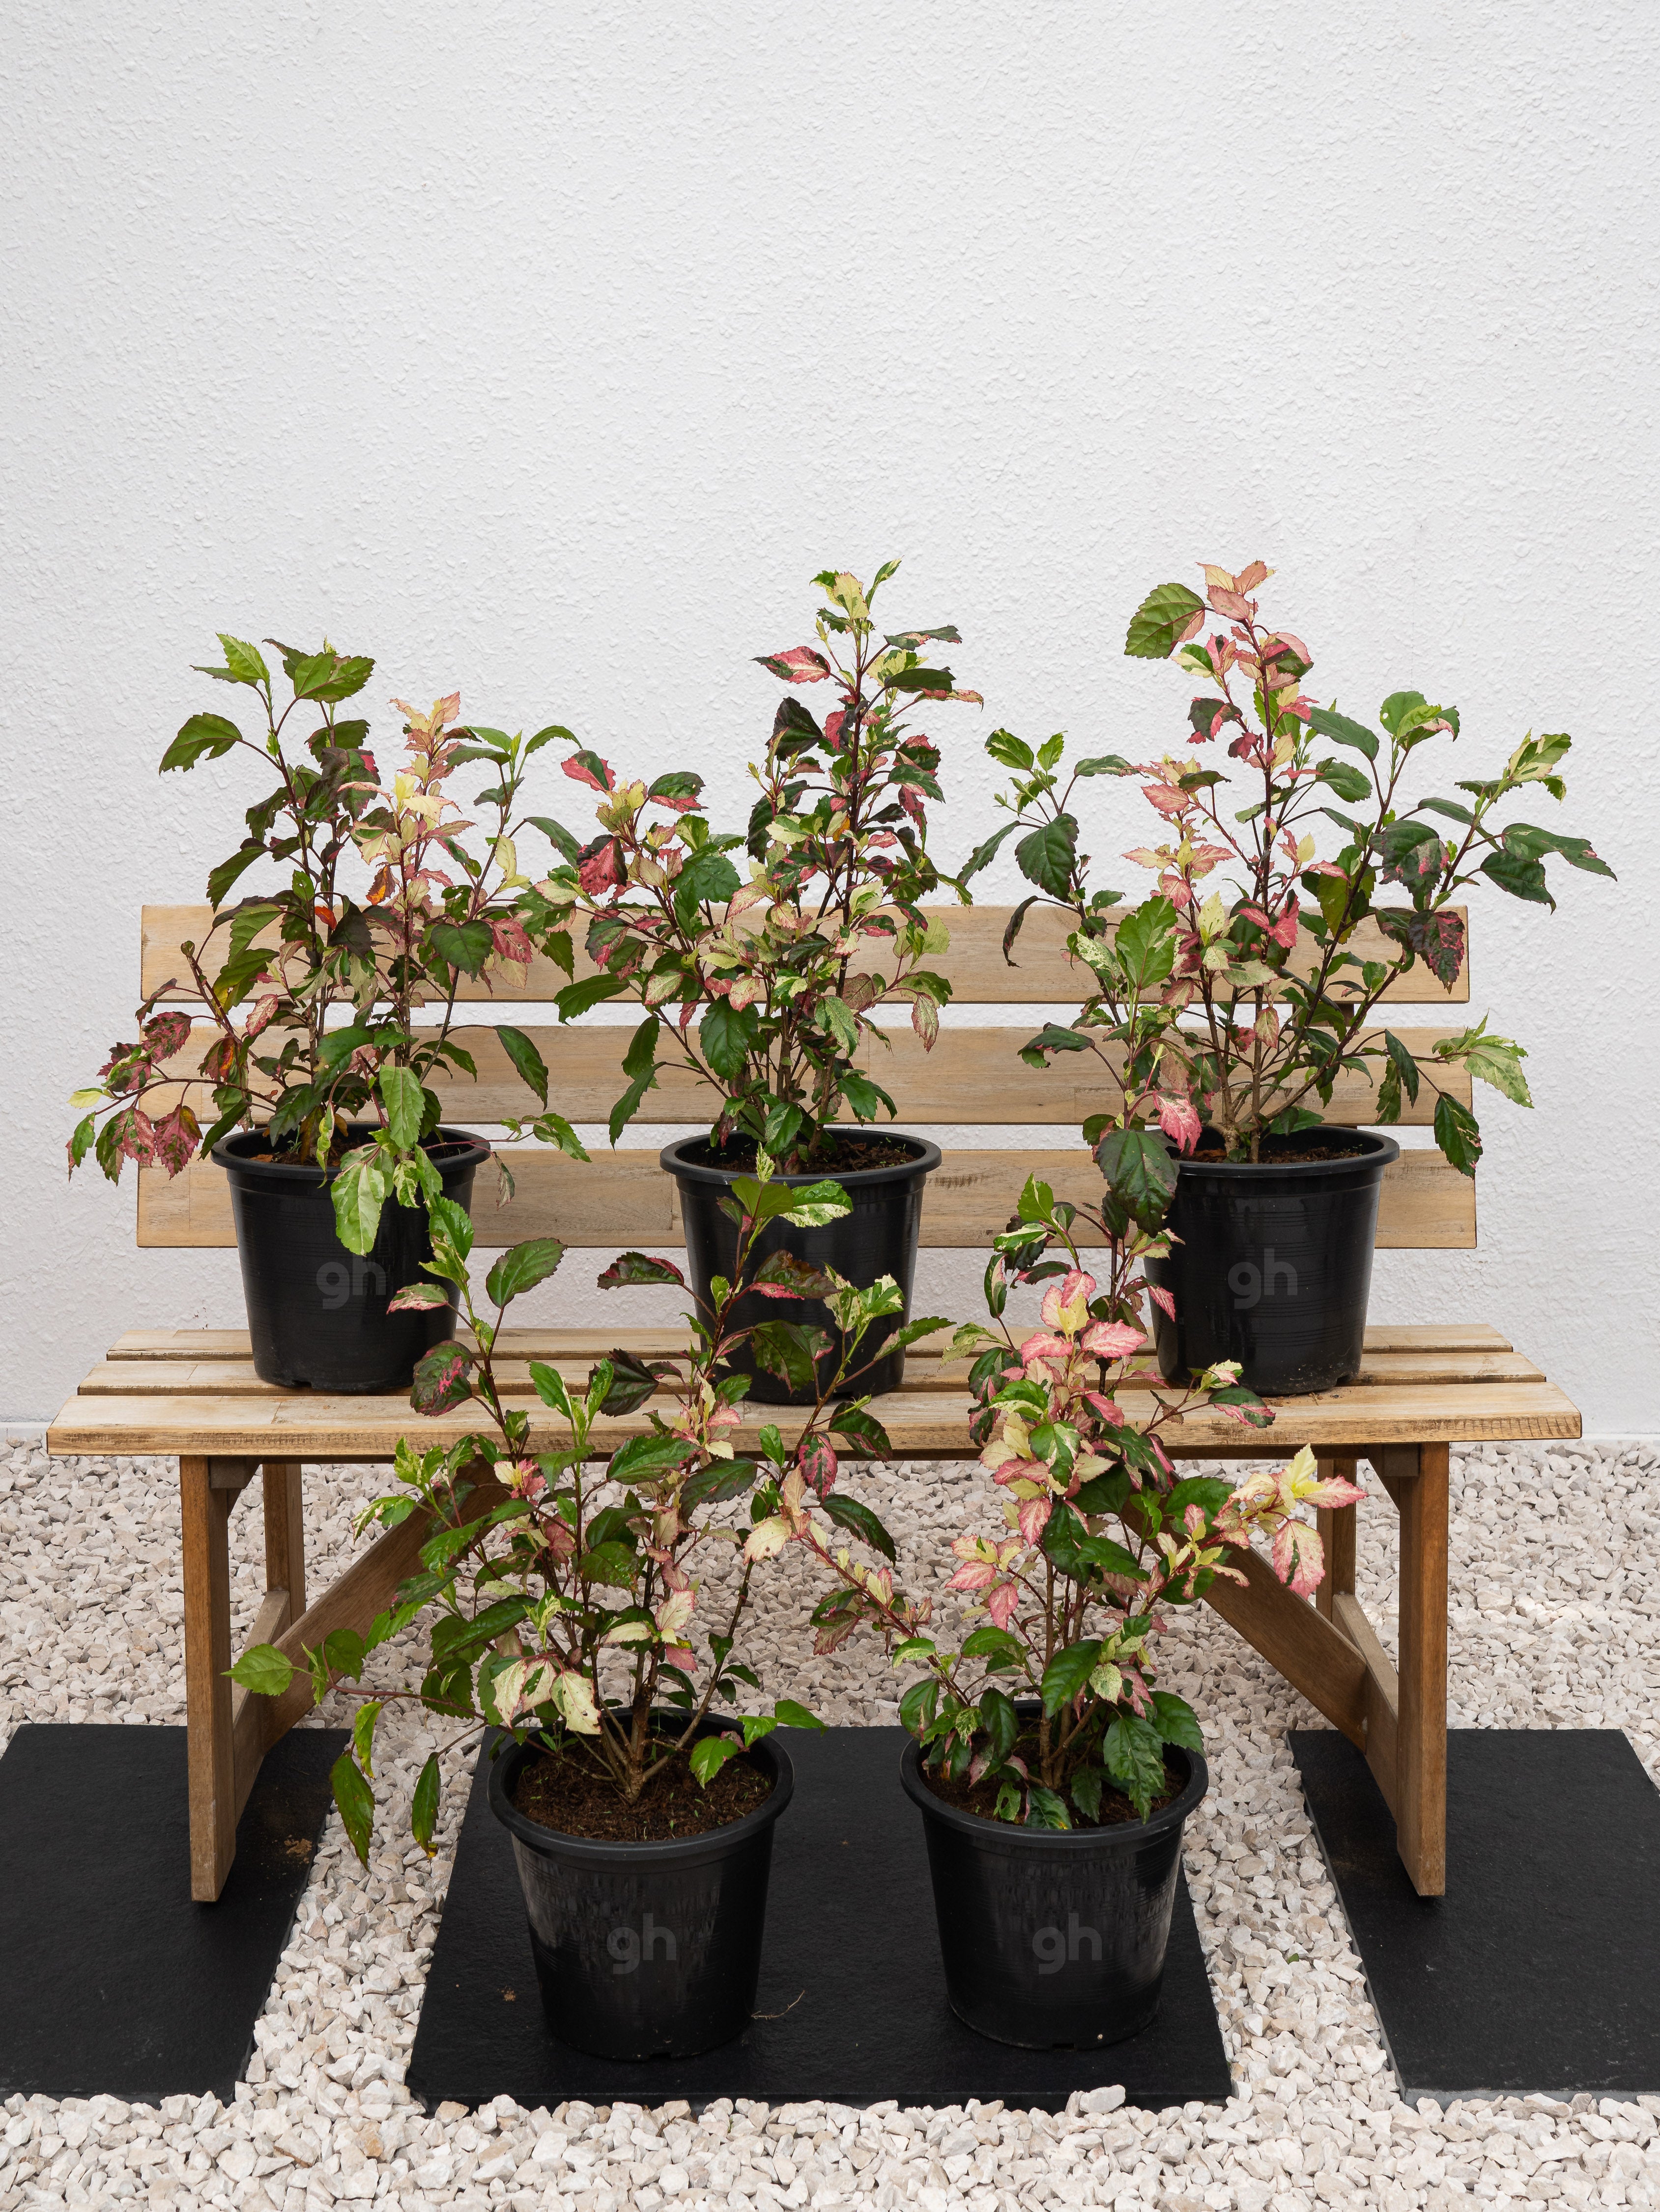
(111, 1978)
(1540, 1968)
(851, 1972)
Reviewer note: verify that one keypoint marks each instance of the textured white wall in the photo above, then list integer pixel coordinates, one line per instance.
(547, 350)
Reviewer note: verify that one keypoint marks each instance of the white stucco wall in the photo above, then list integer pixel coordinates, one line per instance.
(547, 351)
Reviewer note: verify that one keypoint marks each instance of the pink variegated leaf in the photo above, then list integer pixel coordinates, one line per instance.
(1231, 604)
(1250, 576)
(1299, 1558)
(166, 1034)
(1003, 1605)
(1105, 1410)
(817, 1463)
(801, 665)
(174, 1139)
(925, 1020)
(1331, 1493)
(507, 936)
(418, 1297)
(1178, 1119)
(1112, 1340)
(584, 767)
(600, 867)
(1066, 1304)
(1284, 930)
(1035, 1514)
(1041, 1347)
(974, 1575)
(1165, 1300)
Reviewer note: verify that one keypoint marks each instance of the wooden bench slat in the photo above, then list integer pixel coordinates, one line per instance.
(1044, 974)
(237, 1378)
(530, 1343)
(972, 1075)
(624, 1198)
(314, 1426)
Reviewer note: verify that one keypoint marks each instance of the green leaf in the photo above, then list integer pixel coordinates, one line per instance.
(787, 1350)
(1086, 1786)
(643, 1458)
(353, 1795)
(521, 1267)
(1000, 1722)
(1532, 843)
(1146, 943)
(815, 1204)
(1013, 753)
(859, 1521)
(1339, 728)
(984, 855)
(1045, 1809)
(709, 1754)
(1068, 1672)
(263, 1669)
(707, 877)
(442, 1379)
(1048, 854)
(1349, 783)
(465, 944)
(245, 663)
(406, 1105)
(919, 1705)
(1139, 1172)
(577, 998)
(630, 1268)
(790, 1714)
(555, 832)
(531, 1066)
(1404, 1065)
(423, 1806)
(1457, 1134)
(1104, 765)
(860, 1427)
(1210, 1493)
(1176, 1720)
(1523, 879)
(204, 737)
(617, 1565)
(1001, 1651)
(727, 1035)
(714, 1484)
(363, 1726)
(359, 1191)
(1163, 618)
(1133, 1755)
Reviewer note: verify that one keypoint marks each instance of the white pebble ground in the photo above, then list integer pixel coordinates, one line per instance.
(1555, 1621)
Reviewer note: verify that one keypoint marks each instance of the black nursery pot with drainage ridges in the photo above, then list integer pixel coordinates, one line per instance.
(648, 1950)
(878, 1237)
(1274, 1264)
(1053, 1938)
(316, 1313)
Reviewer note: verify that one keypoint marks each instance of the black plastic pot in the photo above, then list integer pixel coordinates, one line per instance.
(1274, 1268)
(316, 1313)
(646, 1950)
(1053, 1938)
(877, 1238)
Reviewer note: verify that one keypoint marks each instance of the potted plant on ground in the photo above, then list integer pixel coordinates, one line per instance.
(1053, 1776)
(562, 1609)
(321, 1111)
(1263, 1002)
(767, 988)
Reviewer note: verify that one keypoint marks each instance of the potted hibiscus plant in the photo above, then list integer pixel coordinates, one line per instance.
(766, 986)
(315, 1082)
(564, 1589)
(1052, 1774)
(1264, 960)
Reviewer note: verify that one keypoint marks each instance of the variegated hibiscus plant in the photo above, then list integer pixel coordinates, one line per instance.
(1266, 959)
(310, 985)
(564, 1584)
(765, 986)
(1052, 1695)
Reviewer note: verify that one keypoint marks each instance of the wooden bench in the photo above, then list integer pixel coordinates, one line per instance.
(192, 1394)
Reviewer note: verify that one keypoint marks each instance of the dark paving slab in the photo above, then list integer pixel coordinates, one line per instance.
(1540, 1968)
(850, 1969)
(114, 1979)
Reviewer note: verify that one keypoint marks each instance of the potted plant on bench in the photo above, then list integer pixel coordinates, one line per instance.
(1254, 974)
(767, 988)
(562, 1611)
(321, 1110)
(1053, 1775)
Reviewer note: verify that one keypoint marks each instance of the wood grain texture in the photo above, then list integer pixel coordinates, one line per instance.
(235, 1379)
(972, 1075)
(922, 1424)
(1293, 1636)
(624, 1198)
(1382, 1696)
(205, 1519)
(1336, 1526)
(285, 1533)
(1044, 973)
(1420, 1811)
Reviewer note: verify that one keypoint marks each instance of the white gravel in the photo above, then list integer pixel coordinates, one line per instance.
(1555, 1621)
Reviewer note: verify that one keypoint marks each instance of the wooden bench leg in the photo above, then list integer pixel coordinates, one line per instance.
(1337, 1531)
(285, 1534)
(1420, 1812)
(205, 1512)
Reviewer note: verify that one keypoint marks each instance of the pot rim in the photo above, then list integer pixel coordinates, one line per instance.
(227, 1153)
(929, 1156)
(1380, 1151)
(676, 1851)
(1003, 1835)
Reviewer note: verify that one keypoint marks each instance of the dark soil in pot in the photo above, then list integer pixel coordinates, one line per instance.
(1274, 1267)
(316, 1313)
(647, 1949)
(878, 1237)
(1054, 1938)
